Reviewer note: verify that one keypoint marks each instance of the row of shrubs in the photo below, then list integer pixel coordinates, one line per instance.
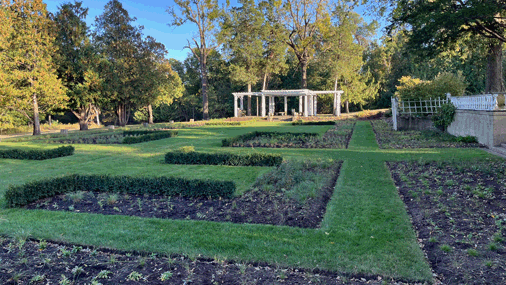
(150, 136)
(193, 157)
(39, 154)
(223, 123)
(17, 196)
(313, 123)
(252, 135)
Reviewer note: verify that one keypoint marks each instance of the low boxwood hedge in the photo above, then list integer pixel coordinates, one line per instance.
(252, 135)
(17, 196)
(149, 136)
(193, 157)
(313, 123)
(39, 154)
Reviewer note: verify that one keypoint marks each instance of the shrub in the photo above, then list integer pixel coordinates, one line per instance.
(416, 89)
(252, 135)
(445, 116)
(37, 154)
(223, 123)
(17, 196)
(255, 159)
(466, 139)
(149, 137)
(314, 123)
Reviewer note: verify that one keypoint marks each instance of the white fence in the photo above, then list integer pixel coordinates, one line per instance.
(485, 102)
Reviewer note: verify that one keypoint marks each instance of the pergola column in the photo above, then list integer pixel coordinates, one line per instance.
(315, 104)
(235, 106)
(310, 106)
(286, 105)
(305, 105)
(263, 105)
(337, 104)
(300, 105)
(242, 102)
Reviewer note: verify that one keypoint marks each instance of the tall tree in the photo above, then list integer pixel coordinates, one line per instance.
(29, 48)
(204, 14)
(306, 23)
(437, 26)
(75, 62)
(119, 42)
(243, 33)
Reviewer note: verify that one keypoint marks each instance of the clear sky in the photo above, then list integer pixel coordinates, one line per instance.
(149, 13)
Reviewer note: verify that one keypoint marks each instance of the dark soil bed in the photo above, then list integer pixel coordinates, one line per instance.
(388, 138)
(255, 206)
(33, 262)
(459, 212)
(337, 137)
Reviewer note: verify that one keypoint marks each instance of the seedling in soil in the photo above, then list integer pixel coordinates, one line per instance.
(489, 263)
(166, 276)
(493, 246)
(472, 252)
(134, 276)
(76, 271)
(104, 274)
(112, 199)
(64, 280)
(498, 237)
(432, 239)
(37, 278)
(446, 248)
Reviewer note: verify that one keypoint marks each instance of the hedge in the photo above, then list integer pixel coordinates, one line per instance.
(252, 135)
(192, 157)
(151, 136)
(313, 123)
(17, 196)
(223, 123)
(37, 154)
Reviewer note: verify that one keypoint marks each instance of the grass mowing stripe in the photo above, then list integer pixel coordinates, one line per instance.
(370, 221)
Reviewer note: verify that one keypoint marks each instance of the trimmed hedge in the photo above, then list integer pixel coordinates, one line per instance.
(151, 136)
(17, 196)
(252, 135)
(192, 157)
(314, 123)
(37, 154)
(223, 123)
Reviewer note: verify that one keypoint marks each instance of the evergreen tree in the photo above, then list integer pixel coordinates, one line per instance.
(29, 49)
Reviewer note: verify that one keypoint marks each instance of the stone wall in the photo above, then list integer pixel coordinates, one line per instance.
(413, 123)
(489, 127)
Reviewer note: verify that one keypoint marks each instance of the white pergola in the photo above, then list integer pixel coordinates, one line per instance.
(308, 100)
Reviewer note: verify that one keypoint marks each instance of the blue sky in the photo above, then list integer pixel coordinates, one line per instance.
(149, 13)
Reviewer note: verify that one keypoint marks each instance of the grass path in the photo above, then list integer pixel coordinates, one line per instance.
(365, 230)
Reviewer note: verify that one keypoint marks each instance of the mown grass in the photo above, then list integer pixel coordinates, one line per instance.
(365, 230)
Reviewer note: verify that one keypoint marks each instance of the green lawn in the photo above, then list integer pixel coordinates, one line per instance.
(365, 230)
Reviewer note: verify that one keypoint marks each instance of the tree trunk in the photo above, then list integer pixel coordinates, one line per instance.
(150, 114)
(83, 124)
(49, 120)
(83, 119)
(303, 66)
(205, 98)
(98, 116)
(36, 119)
(494, 81)
(264, 86)
(248, 112)
(347, 104)
(122, 115)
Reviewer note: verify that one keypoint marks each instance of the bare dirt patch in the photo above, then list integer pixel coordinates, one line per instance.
(459, 212)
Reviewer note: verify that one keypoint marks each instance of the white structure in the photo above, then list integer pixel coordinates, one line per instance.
(307, 100)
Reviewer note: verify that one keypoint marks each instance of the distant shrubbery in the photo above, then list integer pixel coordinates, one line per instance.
(313, 123)
(188, 156)
(17, 196)
(148, 136)
(37, 154)
(416, 89)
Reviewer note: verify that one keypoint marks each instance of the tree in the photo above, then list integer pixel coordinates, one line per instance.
(120, 45)
(75, 62)
(34, 87)
(306, 23)
(204, 14)
(243, 32)
(436, 26)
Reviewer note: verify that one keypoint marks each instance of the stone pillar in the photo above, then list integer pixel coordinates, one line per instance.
(339, 104)
(242, 102)
(263, 105)
(235, 106)
(305, 105)
(310, 105)
(286, 105)
(300, 105)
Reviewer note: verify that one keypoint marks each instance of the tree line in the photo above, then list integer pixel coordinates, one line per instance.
(51, 63)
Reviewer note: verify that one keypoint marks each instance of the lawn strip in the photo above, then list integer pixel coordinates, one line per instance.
(370, 221)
